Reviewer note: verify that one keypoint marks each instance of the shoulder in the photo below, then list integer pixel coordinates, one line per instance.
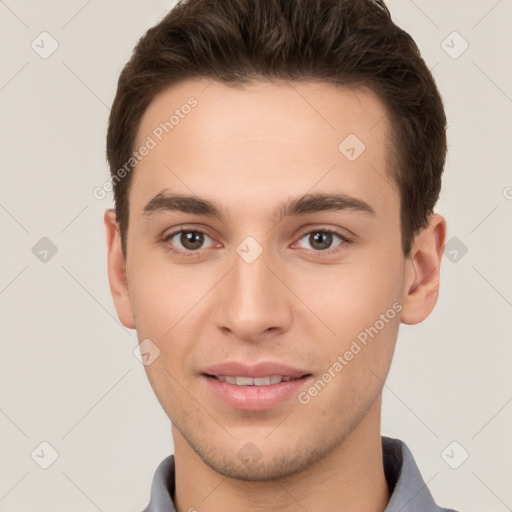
(162, 487)
(409, 492)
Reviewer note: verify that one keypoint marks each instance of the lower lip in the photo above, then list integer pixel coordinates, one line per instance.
(254, 398)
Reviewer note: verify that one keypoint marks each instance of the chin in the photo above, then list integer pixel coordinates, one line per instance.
(251, 465)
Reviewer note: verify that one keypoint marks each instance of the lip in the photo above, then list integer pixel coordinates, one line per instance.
(261, 369)
(254, 398)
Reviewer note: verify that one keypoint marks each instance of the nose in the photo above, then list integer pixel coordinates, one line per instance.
(253, 301)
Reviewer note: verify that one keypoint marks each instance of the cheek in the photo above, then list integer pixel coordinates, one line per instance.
(169, 304)
(162, 293)
(355, 362)
(359, 307)
(350, 297)
(164, 301)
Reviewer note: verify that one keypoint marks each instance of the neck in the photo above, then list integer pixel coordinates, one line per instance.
(351, 478)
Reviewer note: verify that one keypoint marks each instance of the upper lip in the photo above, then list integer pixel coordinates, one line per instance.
(261, 369)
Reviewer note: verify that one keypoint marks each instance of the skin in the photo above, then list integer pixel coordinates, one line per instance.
(249, 149)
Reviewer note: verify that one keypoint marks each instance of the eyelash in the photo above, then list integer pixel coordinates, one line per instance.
(190, 254)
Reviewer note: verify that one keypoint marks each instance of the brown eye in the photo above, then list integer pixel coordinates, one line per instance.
(187, 241)
(191, 239)
(322, 240)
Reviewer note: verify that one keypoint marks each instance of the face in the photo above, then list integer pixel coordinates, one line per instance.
(264, 242)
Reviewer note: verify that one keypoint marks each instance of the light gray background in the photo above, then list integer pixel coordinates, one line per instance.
(68, 372)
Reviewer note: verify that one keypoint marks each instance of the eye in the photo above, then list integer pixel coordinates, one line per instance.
(191, 241)
(322, 239)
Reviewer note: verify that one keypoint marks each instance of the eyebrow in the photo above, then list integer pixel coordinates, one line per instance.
(165, 201)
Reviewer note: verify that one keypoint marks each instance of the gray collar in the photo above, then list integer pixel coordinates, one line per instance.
(409, 491)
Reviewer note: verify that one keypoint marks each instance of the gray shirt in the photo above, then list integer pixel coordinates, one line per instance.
(409, 493)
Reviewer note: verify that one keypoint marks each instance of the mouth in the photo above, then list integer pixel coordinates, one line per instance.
(254, 392)
(256, 381)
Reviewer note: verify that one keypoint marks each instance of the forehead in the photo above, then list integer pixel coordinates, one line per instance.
(263, 139)
(265, 108)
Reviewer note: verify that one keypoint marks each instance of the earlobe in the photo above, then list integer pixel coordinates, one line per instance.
(117, 271)
(423, 273)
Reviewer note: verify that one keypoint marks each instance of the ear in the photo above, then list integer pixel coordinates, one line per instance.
(117, 271)
(423, 271)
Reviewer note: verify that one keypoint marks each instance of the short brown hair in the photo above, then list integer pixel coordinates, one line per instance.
(351, 43)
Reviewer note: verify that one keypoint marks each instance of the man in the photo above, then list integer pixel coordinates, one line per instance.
(275, 165)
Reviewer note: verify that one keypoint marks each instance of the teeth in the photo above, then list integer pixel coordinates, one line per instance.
(261, 381)
(257, 381)
(244, 381)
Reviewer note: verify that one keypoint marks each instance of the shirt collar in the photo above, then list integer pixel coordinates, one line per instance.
(409, 492)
